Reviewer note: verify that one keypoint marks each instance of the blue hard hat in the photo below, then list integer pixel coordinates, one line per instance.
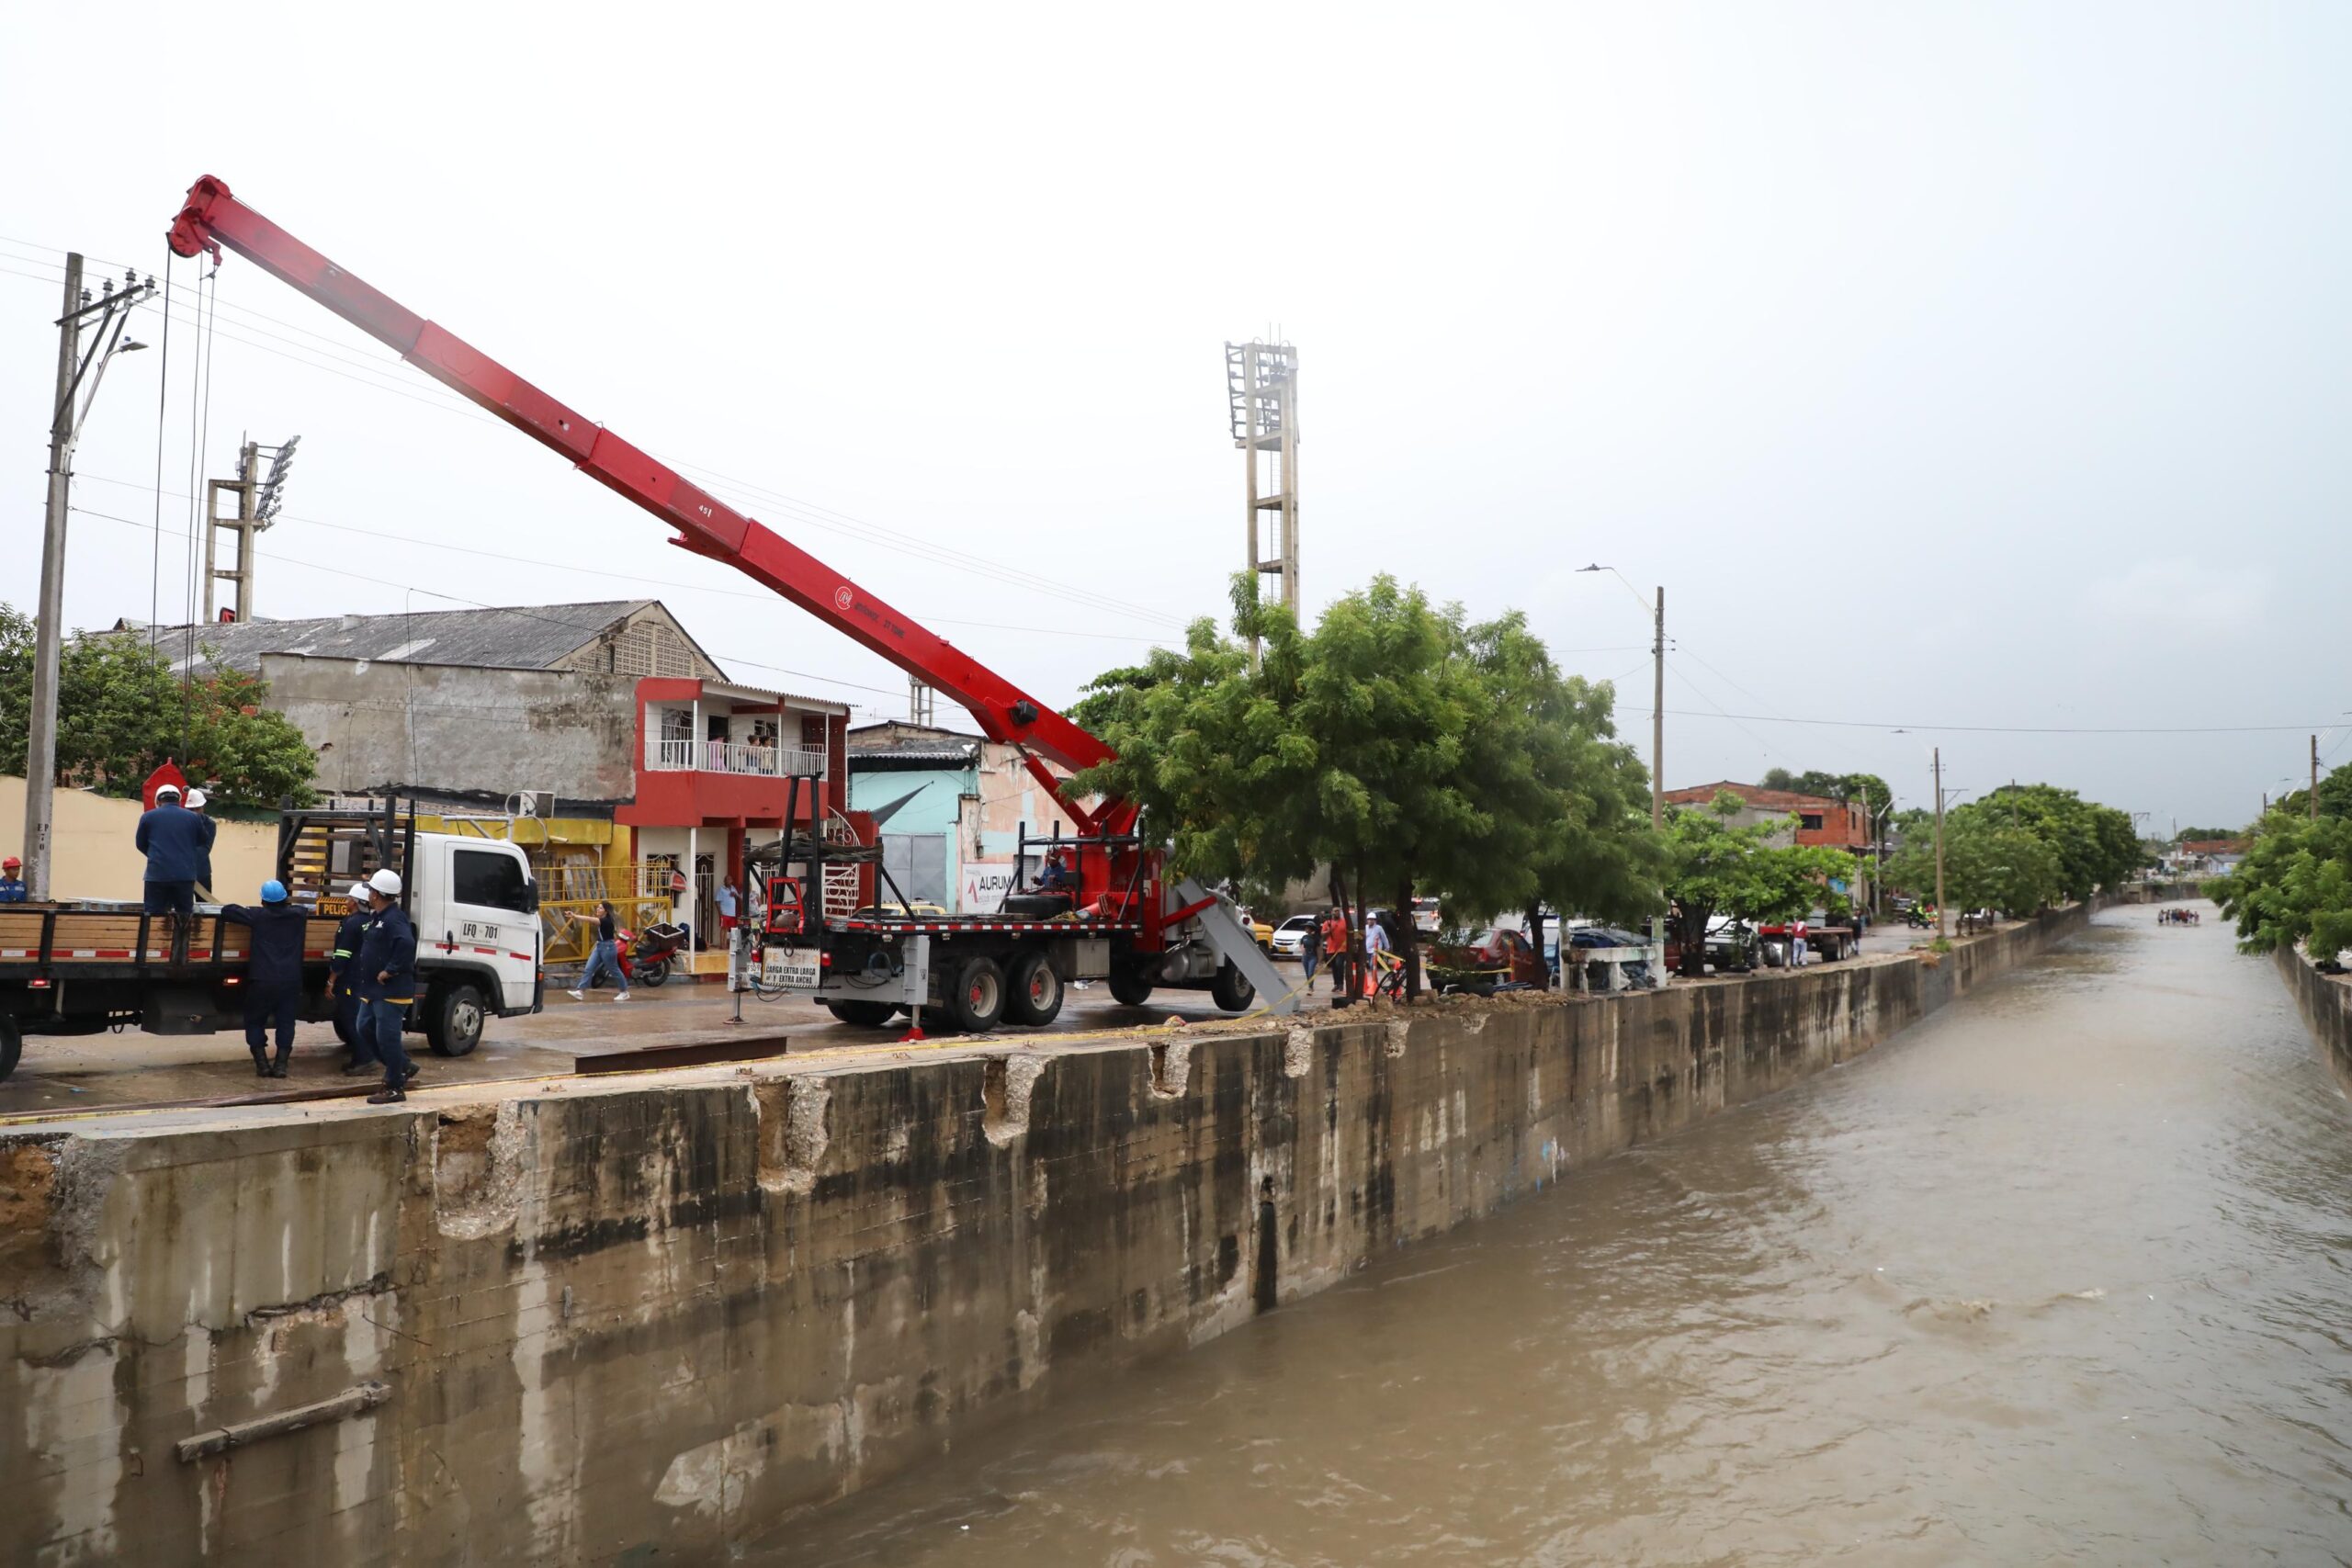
(273, 892)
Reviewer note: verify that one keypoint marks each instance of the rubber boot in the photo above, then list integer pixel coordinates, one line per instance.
(278, 1067)
(260, 1065)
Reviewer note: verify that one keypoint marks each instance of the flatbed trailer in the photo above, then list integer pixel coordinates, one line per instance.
(86, 966)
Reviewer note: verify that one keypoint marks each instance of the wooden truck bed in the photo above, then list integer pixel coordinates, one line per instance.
(84, 939)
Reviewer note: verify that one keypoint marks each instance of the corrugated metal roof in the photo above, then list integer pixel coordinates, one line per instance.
(534, 637)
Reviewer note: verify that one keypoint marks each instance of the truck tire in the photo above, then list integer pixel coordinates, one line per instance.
(1032, 991)
(12, 1046)
(453, 1019)
(1231, 989)
(1131, 988)
(976, 996)
(862, 1015)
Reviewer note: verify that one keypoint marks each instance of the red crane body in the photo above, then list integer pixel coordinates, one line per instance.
(213, 219)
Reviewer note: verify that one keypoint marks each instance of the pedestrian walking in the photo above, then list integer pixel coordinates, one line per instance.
(343, 982)
(196, 802)
(177, 844)
(273, 974)
(12, 881)
(1311, 952)
(1335, 949)
(388, 982)
(604, 955)
(1800, 954)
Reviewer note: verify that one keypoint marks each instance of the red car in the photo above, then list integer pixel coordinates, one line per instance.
(1495, 948)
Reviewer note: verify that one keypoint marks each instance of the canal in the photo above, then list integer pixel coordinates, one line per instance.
(2063, 1273)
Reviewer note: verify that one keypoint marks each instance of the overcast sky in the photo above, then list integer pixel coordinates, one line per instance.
(1951, 366)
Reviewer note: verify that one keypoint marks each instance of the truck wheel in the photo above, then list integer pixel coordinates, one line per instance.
(453, 1016)
(975, 998)
(653, 972)
(12, 1046)
(1231, 989)
(1131, 988)
(1034, 992)
(862, 1015)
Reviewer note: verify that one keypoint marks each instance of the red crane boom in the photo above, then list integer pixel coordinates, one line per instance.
(213, 219)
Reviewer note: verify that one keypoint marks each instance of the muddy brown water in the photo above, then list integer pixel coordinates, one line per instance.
(2061, 1275)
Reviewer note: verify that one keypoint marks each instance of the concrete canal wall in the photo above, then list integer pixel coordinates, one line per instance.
(2326, 1007)
(642, 1321)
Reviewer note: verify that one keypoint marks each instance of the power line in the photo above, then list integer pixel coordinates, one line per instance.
(765, 597)
(1989, 728)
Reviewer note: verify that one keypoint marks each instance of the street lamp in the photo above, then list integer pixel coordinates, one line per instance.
(1657, 700)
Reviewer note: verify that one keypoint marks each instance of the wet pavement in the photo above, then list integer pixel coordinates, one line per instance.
(70, 1074)
(94, 1072)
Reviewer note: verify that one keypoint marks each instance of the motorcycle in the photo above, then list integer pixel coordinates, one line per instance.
(654, 947)
(646, 957)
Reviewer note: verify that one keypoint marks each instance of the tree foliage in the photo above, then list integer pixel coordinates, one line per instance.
(121, 712)
(1713, 868)
(1397, 742)
(2294, 886)
(1988, 864)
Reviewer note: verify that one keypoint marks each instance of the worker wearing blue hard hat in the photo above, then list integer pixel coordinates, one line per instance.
(272, 977)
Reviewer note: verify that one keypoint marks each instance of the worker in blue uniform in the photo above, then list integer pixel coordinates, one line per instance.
(12, 881)
(388, 982)
(273, 974)
(177, 843)
(342, 980)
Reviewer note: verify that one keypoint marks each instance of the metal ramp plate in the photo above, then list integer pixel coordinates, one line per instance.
(1234, 944)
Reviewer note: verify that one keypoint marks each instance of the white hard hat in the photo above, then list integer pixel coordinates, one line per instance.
(165, 791)
(387, 881)
(359, 891)
(195, 798)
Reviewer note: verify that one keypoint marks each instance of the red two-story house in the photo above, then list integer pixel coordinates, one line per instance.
(713, 769)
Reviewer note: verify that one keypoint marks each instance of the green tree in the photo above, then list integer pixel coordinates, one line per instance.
(2335, 800)
(121, 712)
(1396, 743)
(1988, 864)
(1713, 868)
(2294, 886)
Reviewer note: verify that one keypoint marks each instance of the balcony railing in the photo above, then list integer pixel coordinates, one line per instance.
(745, 757)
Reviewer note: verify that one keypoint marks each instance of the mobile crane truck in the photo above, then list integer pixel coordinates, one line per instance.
(1124, 919)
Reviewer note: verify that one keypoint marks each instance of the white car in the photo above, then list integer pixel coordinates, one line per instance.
(1290, 937)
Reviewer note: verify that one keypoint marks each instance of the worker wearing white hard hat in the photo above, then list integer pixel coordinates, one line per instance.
(388, 982)
(177, 844)
(194, 803)
(342, 982)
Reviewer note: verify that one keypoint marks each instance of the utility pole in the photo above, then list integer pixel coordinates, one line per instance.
(111, 311)
(1657, 722)
(258, 499)
(1939, 843)
(2314, 799)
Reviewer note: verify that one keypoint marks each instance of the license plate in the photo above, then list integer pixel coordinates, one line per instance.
(790, 969)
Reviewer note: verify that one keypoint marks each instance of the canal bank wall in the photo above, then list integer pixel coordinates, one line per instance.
(645, 1320)
(2326, 1007)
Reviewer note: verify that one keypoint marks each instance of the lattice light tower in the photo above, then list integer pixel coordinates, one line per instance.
(257, 498)
(1261, 390)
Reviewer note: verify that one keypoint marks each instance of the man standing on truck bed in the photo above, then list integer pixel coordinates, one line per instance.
(273, 974)
(176, 843)
(388, 982)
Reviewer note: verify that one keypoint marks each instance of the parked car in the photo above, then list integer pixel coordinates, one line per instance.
(1502, 951)
(1290, 938)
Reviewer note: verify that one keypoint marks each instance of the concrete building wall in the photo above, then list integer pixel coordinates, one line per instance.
(640, 1323)
(93, 855)
(458, 728)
